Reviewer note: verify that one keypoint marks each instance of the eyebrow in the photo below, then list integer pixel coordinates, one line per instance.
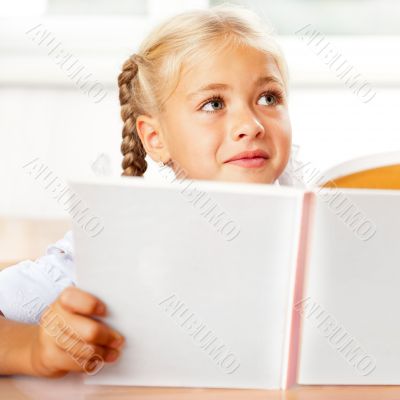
(262, 80)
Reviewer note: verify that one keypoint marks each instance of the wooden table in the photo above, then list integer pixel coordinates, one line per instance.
(71, 387)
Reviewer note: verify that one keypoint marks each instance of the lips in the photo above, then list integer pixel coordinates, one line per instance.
(253, 154)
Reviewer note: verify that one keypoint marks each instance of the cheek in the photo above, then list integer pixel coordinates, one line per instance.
(194, 145)
(282, 138)
(284, 130)
(204, 149)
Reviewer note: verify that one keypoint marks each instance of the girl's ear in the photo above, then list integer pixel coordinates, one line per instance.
(152, 138)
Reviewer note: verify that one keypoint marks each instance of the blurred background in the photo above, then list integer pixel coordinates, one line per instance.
(45, 115)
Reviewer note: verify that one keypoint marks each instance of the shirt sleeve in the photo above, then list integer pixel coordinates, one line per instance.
(27, 288)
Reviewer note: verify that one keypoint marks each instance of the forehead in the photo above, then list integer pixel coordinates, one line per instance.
(238, 66)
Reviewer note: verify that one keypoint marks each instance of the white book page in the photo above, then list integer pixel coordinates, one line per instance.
(350, 311)
(196, 308)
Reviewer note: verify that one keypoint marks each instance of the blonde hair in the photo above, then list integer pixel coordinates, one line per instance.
(151, 75)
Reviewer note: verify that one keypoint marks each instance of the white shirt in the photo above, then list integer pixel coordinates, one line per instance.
(28, 287)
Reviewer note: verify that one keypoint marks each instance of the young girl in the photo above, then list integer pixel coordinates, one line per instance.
(205, 93)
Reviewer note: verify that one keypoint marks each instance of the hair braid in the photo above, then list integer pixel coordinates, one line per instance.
(133, 163)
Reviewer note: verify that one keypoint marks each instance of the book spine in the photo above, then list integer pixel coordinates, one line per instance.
(298, 289)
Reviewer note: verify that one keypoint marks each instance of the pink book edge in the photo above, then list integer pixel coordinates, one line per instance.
(302, 259)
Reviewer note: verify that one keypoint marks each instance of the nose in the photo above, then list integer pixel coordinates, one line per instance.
(247, 124)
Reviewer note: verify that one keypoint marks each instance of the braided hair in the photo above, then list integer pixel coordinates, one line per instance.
(133, 163)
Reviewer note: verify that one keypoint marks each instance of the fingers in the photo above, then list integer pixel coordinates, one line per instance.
(84, 357)
(70, 330)
(80, 302)
(84, 353)
(87, 357)
(71, 341)
(91, 331)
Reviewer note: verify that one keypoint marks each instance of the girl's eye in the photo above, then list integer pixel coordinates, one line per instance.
(272, 98)
(213, 102)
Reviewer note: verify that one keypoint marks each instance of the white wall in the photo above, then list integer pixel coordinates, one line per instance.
(332, 125)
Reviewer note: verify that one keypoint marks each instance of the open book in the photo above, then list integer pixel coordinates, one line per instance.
(239, 285)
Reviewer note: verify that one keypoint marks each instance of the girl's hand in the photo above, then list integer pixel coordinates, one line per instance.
(69, 338)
